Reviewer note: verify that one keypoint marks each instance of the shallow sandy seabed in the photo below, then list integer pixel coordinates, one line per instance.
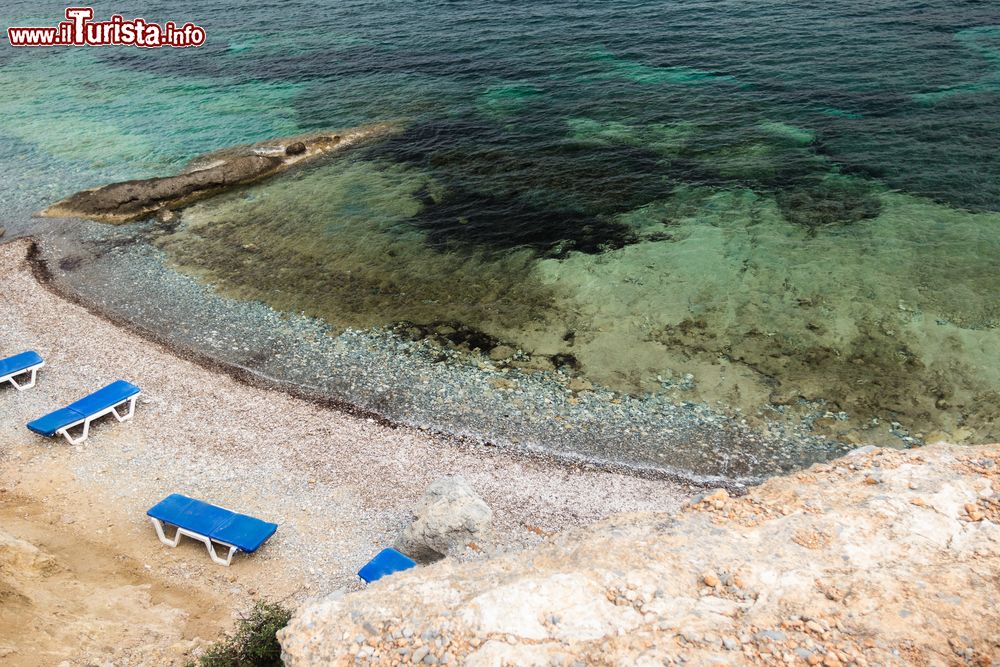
(883, 320)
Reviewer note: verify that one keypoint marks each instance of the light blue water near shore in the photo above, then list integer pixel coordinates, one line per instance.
(804, 195)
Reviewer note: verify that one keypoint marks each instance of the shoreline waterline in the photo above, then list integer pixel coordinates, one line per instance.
(470, 442)
(419, 385)
(763, 232)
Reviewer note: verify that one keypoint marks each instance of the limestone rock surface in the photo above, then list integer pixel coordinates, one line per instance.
(882, 557)
(449, 517)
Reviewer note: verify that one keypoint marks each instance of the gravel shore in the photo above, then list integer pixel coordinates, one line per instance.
(340, 485)
(422, 384)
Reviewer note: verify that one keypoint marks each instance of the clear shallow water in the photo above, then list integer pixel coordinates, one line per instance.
(784, 202)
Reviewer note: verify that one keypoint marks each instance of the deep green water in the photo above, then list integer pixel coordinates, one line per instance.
(783, 199)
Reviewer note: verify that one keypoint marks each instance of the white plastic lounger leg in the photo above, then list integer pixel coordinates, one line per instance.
(29, 384)
(83, 436)
(131, 410)
(86, 422)
(215, 558)
(158, 525)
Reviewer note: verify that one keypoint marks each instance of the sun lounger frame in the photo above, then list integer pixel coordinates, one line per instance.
(113, 410)
(209, 542)
(31, 382)
(212, 525)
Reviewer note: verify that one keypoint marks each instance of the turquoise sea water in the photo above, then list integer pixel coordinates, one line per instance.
(786, 201)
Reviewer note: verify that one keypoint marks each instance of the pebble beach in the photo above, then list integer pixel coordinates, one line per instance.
(340, 486)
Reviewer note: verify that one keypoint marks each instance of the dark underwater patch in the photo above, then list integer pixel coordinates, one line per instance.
(501, 190)
(471, 218)
(450, 333)
(947, 152)
(836, 201)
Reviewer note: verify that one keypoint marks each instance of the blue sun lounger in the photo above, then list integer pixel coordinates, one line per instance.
(101, 402)
(209, 524)
(388, 561)
(20, 364)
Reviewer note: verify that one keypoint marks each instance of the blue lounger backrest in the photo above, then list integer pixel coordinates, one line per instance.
(19, 362)
(246, 533)
(388, 561)
(102, 399)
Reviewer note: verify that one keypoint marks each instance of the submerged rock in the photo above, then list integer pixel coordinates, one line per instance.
(205, 176)
(502, 353)
(167, 216)
(819, 564)
(832, 201)
(449, 517)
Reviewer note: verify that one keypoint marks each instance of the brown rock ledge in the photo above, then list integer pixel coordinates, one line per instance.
(206, 175)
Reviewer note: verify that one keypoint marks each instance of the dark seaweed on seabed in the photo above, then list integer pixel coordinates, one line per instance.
(504, 189)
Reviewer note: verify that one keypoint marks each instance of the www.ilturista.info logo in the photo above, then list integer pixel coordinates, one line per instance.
(79, 30)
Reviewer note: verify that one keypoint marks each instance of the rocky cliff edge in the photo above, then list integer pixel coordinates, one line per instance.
(881, 557)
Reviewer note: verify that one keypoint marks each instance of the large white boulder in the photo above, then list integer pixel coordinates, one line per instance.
(449, 517)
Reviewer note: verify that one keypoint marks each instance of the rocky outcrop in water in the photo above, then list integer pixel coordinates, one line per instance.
(881, 557)
(121, 202)
(205, 176)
